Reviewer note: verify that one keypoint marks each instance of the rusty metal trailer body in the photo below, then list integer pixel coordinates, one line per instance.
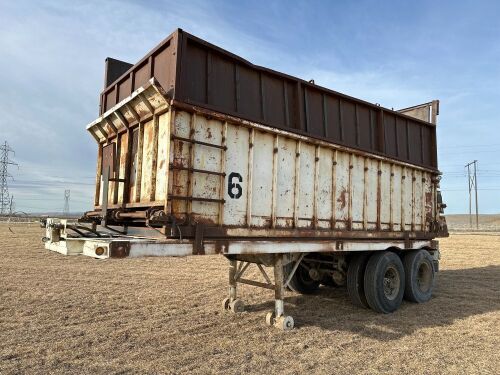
(201, 152)
(238, 179)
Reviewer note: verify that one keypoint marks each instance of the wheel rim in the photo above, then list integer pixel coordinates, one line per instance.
(424, 277)
(391, 283)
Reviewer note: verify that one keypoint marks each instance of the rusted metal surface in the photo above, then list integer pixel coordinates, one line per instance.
(219, 179)
(119, 249)
(114, 69)
(245, 175)
(196, 72)
(426, 112)
(250, 250)
(108, 156)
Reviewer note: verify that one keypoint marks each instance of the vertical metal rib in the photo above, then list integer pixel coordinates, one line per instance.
(97, 197)
(365, 193)
(334, 189)
(297, 186)
(391, 199)
(274, 181)
(402, 200)
(250, 176)
(140, 146)
(316, 187)
(190, 182)
(156, 127)
(222, 177)
(350, 187)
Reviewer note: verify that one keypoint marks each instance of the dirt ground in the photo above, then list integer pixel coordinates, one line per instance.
(162, 315)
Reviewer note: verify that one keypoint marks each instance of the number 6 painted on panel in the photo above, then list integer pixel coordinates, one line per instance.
(231, 186)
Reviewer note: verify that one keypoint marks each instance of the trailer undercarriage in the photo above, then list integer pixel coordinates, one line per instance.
(298, 265)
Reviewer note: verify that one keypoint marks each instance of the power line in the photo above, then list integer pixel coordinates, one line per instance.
(472, 177)
(484, 189)
(52, 182)
(6, 202)
(67, 194)
(52, 199)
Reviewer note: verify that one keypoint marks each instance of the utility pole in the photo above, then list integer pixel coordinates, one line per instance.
(5, 201)
(67, 194)
(472, 179)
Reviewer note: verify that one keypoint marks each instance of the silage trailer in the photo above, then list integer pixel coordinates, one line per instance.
(201, 152)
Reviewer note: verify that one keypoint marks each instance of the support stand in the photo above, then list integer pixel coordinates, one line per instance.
(275, 318)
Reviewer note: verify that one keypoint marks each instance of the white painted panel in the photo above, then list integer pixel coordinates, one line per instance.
(430, 204)
(357, 192)
(418, 200)
(313, 197)
(306, 185)
(123, 162)
(385, 194)
(236, 167)
(407, 202)
(206, 158)
(133, 168)
(285, 189)
(162, 162)
(371, 193)
(111, 187)
(324, 193)
(262, 179)
(342, 193)
(396, 198)
(178, 179)
(147, 161)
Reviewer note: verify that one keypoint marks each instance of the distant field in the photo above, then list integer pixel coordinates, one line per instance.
(462, 222)
(77, 315)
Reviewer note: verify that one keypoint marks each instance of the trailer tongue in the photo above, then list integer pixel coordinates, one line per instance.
(180, 173)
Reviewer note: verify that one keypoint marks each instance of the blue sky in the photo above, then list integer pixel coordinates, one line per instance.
(397, 53)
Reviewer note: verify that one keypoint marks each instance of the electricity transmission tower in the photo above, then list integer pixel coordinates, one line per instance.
(67, 194)
(472, 178)
(6, 202)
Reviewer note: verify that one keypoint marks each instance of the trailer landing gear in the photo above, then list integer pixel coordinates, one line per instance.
(232, 303)
(236, 306)
(276, 318)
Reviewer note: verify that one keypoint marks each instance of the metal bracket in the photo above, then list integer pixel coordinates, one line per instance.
(241, 269)
(198, 247)
(294, 269)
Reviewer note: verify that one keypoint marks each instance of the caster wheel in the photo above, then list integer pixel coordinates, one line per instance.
(270, 318)
(225, 304)
(285, 323)
(236, 306)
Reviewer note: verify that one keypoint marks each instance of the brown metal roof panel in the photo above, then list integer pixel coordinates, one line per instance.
(199, 73)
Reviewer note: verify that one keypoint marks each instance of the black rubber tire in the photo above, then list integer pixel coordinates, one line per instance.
(356, 279)
(385, 265)
(301, 282)
(419, 276)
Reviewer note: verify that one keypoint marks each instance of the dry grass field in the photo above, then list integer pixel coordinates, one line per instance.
(162, 315)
